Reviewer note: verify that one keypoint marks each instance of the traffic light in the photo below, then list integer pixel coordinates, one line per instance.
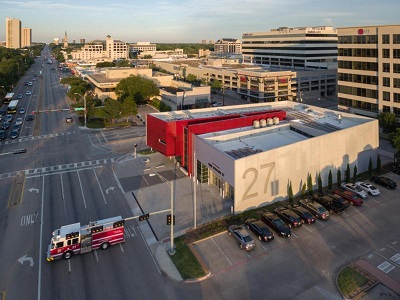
(169, 219)
(144, 217)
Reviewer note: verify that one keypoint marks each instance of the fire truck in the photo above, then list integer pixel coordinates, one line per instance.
(76, 239)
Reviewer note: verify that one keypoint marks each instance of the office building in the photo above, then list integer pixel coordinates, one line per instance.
(369, 69)
(292, 48)
(82, 41)
(144, 47)
(13, 33)
(251, 153)
(98, 51)
(228, 46)
(26, 38)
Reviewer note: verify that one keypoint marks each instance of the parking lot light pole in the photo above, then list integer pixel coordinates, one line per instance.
(84, 105)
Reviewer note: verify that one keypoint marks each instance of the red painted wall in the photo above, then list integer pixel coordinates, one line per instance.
(171, 132)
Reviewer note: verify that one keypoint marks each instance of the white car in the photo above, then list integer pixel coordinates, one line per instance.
(29, 93)
(369, 188)
(18, 121)
(355, 189)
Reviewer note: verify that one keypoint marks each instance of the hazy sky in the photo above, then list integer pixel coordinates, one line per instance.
(188, 20)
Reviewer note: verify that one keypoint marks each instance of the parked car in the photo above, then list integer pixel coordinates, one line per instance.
(384, 181)
(353, 198)
(69, 120)
(329, 204)
(315, 208)
(289, 217)
(276, 224)
(14, 134)
(240, 234)
(339, 200)
(260, 230)
(369, 188)
(303, 213)
(30, 117)
(355, 189)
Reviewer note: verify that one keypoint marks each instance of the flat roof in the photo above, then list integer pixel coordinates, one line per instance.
(302, 122)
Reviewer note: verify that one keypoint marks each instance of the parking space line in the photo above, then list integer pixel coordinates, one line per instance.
(366, 205)
(394, 243)
(319, 222)
(375, 201)
(306, 227)
(221, 251)
(279, 240)
(295, 235)
(387, 258)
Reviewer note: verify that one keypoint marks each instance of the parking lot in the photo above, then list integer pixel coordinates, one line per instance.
(365, 233)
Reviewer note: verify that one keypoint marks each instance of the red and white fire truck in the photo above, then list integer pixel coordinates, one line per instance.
(76, 239)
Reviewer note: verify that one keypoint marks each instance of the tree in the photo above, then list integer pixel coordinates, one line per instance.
(140, 88)
(112, 110)
(347, 173)
(303, 190)
(394, 138)
(355, 174)
(191, 78)
(290, 192)
(388, 121)
(216, 85)
(319, 183)
(105, 64)
(378, 164)
(128, 108)
(339, 177)
(123, 63)
(330, 181)
(310, 185)
(370, 168)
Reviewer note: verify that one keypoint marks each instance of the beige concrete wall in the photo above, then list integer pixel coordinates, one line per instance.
(264, 178)
(126, 72)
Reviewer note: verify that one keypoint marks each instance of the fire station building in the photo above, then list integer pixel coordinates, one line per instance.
(253, 152)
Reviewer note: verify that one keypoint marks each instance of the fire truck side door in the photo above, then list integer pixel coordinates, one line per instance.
(86, 243)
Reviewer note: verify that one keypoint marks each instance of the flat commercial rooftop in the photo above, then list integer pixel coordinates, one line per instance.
(302, 122)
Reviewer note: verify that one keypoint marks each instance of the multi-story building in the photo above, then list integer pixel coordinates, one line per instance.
(231, 46)
(13, 33)
(108, 50)
(143, 47)
(369, 69)
(82, 41)
(26, 38)
(292, 48)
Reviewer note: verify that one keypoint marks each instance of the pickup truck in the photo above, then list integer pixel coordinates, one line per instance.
(353, 198)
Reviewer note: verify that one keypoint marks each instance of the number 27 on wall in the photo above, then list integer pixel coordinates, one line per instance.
(252, 174)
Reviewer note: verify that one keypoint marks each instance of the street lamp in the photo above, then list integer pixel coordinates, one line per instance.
(84, 104)
(183, 99)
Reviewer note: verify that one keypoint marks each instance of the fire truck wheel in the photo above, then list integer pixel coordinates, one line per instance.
(104, 246)
(67, 255)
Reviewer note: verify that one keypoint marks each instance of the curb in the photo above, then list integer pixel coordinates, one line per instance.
(202, 263)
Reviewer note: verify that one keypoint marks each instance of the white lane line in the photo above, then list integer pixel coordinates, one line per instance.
(366, 205)
(221, 252)
(387, 258)
(95, 254)
(151, 254)
(262, 246)
(133, 228)
(278, 239)
(62, 193)
(101, 190)
(80, 183)
(393, 247)
(40, 243)
(375, 200)
(104, 137)
(69, 266)
(122, 249)
(319, 222)
(66, 171)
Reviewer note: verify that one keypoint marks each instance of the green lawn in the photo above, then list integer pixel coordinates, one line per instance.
(349, 280)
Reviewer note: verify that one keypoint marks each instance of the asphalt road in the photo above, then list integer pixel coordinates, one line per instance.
(65, 177)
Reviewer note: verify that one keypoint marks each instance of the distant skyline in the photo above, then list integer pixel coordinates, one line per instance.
(186, 21)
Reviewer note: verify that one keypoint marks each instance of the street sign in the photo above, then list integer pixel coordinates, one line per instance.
(79, 108)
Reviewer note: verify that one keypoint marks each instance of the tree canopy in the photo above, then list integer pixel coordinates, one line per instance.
(137, 87)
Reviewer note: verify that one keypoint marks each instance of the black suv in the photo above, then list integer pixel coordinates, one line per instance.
(384, 181)
(303, 213)
(329, 204)
(2, 134)
(290, 217)
(339, 200)
(276, 224)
